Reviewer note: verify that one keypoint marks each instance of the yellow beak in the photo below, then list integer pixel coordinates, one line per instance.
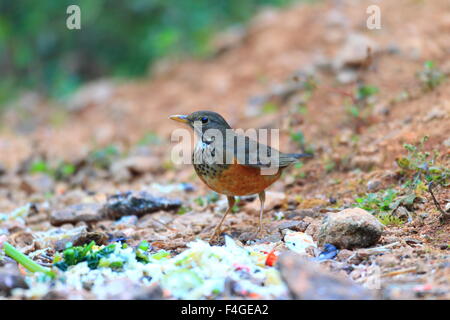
(180, 118)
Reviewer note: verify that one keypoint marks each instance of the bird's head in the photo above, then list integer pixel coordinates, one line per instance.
(201, 121)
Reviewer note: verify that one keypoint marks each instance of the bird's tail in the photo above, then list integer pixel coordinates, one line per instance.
(300, 155)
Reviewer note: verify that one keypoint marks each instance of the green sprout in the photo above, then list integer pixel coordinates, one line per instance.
(362, 101)
(74, 255)
(235, 208)
(364, 92)
(104, 157)
(430, 76)
(25, 261)
(183, 210)
(39, 166)
(390, 220)
(269, 107)
(62, 171)
(421, 168)
(150, 138)
(377, 202)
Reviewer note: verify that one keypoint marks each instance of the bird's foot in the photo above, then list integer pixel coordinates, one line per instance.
(259, 232)
(215, 236)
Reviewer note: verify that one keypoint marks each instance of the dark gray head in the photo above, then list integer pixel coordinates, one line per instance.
(201, 121)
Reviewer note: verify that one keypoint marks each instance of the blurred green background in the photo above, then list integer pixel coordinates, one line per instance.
(119, 38)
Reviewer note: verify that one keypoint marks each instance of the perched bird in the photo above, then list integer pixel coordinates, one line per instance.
(233, 165)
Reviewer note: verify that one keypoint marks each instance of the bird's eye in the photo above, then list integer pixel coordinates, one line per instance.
(204, 119)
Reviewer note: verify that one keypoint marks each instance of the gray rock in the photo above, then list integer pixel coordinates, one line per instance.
(435, 113)
(354, 52)
(350, 228)
(347, 76)
(87, 212)
(366, 162)
(82, 238)
(307, 280)
(446, 142)
(37, 183)
(288, 225)
(138, 204)
(373, 185)
(313, 229)
(402, 213)
(125, 169)
(11, 279)
(127, 221)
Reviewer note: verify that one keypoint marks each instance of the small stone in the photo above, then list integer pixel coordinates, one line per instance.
(82, 238)
(301, 226)
(37, 183)
(125, 169)
(347, 76)
(381, 109)
(435, 113)
(447, 207)
(87, 212)
(313, 229)
(137, 203)
(373, 185)
(127, 221)
(353, 54)
(350, 228)
(307, 280)
(387, 260)
(126, 289)
(447, 142)
(366, 162)
(402, 213)
(344, 255)
(302, 213)
(275, 237)
(288, 225)
(9, 280)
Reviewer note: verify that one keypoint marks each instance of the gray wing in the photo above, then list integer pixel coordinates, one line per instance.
(258, 155)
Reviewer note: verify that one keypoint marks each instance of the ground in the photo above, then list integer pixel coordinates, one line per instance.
(296, 69)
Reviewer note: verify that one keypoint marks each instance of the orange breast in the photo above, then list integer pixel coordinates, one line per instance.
(239, 180)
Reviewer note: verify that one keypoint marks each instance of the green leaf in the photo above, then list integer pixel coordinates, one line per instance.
(29, 264)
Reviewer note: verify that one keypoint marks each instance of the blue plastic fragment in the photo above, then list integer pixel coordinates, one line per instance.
(329, 252)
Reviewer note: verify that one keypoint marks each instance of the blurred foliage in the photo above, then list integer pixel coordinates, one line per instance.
(59, 172)
(117, 38)
(430, 76)
(422, 168)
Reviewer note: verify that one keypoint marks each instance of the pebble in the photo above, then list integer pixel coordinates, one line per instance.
(307, 280)
(37, 183)
(87, 212)
(137, 203)
(402, 213)
(350, 228)
(9, 280)
(373, 185)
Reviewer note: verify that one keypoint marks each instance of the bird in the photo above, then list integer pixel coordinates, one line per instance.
(233, 166)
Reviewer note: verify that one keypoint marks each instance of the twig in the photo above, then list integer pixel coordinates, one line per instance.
(164, 224)
(397, 272)
(445, 216)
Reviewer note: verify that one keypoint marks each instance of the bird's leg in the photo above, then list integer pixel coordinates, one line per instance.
(262, 198)
(231, 201)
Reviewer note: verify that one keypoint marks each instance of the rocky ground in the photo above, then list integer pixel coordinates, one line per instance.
(98, 166)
